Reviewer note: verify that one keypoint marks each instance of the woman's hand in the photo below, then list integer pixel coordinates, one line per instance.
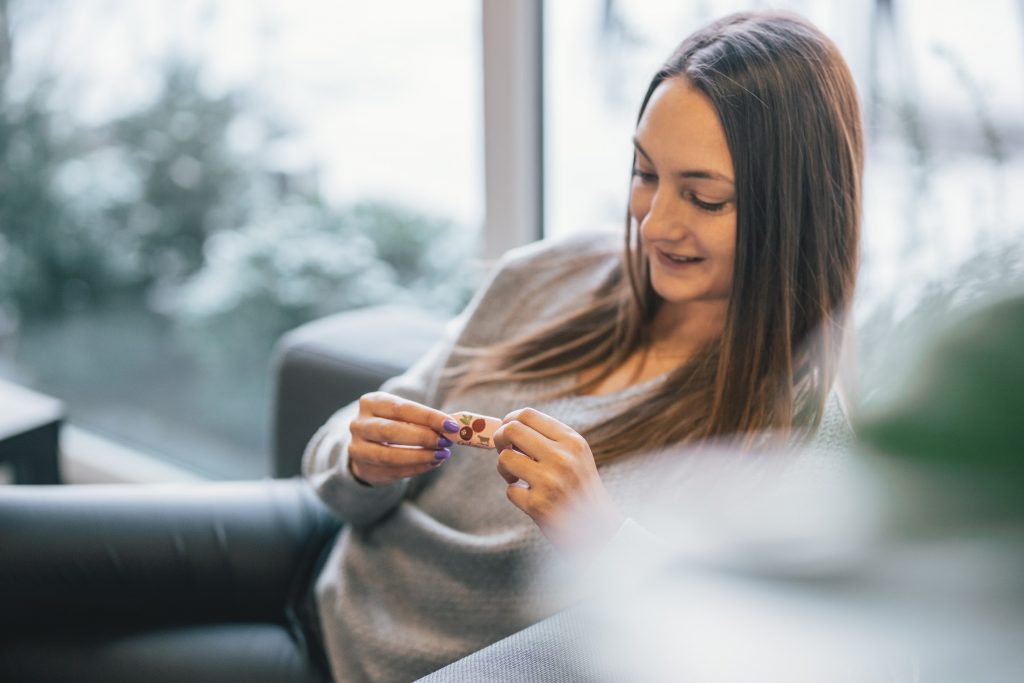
(565, 497)
(393, 438)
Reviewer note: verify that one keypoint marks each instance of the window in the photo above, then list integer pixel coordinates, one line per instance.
(187, 179)
(943, 98)
(941, 90)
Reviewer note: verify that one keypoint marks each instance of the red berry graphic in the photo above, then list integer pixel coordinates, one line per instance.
(466, 434)
(479, 424)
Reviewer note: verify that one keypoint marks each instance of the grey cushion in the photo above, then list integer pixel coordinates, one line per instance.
(555, 650)
(330, 362)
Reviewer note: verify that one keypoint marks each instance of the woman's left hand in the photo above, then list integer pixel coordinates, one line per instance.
(566, 497)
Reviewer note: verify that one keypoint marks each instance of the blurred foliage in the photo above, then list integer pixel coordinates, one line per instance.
(167, 247)
(180, 183)
(88, 213)
(958, 402)
(39, 256)
(305, 261)
(891, 333)
(157, 207)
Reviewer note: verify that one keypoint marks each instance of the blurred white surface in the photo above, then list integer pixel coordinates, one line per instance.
(779, 569)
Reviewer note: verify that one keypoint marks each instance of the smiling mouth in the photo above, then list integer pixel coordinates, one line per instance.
(674, 258)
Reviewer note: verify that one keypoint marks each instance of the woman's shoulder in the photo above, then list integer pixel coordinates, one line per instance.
(538, 281)
(594, 243)
(570, 263)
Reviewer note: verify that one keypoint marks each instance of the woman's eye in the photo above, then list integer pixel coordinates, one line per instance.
(644, 176)
(707, 206)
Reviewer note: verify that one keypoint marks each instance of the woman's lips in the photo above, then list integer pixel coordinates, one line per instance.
(667, 262)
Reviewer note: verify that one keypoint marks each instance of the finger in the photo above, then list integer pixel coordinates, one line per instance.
(368, 452)
(386, 431)
(523, 438)
(543, 424)
(509, 478)
(378, 474)
(383, 404)
(505, 473)
(514, 466)
(520, 497)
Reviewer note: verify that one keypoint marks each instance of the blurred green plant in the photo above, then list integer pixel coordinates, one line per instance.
(893, 329)
(949, 419)
(156, 205)
(35, 261)
(306, 261)
(182, 182)
(176, 221)
(432, 258)
(86, 213)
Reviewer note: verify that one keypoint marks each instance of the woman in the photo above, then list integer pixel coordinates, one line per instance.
(720, 317)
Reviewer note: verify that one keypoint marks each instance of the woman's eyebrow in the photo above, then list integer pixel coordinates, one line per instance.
(695, 173)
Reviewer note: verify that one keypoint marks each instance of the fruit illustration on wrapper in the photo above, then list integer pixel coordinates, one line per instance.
(472, 428)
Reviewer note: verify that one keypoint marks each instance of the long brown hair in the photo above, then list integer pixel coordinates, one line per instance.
(789, 108)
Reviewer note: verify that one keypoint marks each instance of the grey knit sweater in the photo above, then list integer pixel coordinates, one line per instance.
(430, 569)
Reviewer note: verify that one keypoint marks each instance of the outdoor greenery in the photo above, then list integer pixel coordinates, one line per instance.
(889, 334)
(156, 204)
(153, 228)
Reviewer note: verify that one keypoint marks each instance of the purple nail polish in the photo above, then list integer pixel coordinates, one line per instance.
(442, 454)
(451, 426)
(444, 442)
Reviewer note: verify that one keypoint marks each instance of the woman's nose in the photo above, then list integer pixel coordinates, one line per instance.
(664, 220)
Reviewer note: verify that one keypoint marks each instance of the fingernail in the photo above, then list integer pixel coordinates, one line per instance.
(442, 454)
(451, 426)
(444, 442)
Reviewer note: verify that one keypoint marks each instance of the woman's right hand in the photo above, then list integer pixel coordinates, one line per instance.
(394, 438)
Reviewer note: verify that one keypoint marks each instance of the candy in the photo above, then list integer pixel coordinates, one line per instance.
(477, 430)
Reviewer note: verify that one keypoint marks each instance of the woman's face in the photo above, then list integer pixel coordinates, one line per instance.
(683, 197)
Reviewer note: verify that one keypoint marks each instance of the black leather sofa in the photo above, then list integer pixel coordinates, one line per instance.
(193, 582)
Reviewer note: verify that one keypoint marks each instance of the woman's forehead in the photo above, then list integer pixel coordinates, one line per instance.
(681, 127)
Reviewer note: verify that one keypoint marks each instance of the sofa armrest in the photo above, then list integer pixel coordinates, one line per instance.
(328, 363)
(75, 557)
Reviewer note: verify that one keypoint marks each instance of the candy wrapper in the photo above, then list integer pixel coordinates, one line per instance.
(476, 430)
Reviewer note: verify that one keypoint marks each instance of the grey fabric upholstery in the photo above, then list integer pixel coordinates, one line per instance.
(555, 650)
(328, 363)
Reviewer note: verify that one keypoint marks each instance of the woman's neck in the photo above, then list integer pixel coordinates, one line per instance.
(677, 334)
(679, 330)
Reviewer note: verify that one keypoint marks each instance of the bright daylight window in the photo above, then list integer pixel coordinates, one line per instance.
(184, 180)
(942, 86)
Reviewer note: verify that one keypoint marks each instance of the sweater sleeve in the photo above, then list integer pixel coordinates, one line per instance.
(325, 460)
